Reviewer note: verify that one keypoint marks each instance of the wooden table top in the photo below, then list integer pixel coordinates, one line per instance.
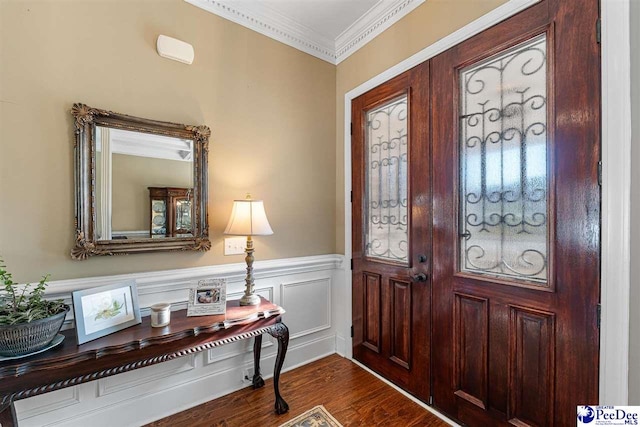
(136, 346)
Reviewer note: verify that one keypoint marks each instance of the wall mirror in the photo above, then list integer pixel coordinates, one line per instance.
(140, 184)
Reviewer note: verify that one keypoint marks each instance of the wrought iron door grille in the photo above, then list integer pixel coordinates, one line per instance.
(503, 164)
(385, 213)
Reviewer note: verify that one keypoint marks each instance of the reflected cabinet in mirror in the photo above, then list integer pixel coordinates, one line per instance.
(141, 185)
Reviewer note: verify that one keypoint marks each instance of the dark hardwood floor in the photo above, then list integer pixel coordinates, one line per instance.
(351, 394)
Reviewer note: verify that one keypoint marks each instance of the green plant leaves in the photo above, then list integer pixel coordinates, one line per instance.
(25, 303)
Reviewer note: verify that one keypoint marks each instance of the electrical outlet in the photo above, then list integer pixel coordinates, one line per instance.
(247, 375)
(234, 245)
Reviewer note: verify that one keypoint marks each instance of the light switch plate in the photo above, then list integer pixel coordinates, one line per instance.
(234, 245)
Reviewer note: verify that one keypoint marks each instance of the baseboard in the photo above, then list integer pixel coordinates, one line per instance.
(341, 345)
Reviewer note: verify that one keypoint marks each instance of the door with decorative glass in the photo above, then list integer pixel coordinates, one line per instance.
(391, 238)
(476, 222)
(516, 237)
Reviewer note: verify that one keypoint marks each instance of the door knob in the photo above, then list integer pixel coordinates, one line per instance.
(420, 277)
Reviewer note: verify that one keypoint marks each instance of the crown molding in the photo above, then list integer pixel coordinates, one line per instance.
(268, 22)
(377, 19)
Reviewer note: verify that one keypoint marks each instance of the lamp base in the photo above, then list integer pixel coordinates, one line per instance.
(252, 299)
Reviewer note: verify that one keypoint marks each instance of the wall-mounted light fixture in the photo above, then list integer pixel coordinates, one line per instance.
(175, 49)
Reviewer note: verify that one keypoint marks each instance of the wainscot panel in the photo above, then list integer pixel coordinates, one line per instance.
(49, 402)
(303, 286)
(312, 299)
(166, 370)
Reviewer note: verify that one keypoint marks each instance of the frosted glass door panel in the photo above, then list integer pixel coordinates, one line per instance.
(385, 210)
(503, 165)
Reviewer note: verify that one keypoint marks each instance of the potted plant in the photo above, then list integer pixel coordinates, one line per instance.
(28, 322)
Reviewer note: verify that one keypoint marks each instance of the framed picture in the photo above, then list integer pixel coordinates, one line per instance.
(104, 310)
(207, 298)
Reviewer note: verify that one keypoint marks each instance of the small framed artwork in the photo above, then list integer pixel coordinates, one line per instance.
(207, 298)
(104, 310)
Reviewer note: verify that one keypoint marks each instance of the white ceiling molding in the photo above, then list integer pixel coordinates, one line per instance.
(258, 16)
(377, 19)
(272, 24)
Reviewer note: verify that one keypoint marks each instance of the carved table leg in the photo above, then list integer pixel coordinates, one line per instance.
(8, 415)
(257, 377)
(281, 332)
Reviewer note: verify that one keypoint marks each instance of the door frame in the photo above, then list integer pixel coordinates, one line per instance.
(616, 182)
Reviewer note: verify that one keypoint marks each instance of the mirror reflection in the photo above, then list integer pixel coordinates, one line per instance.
(144, 185)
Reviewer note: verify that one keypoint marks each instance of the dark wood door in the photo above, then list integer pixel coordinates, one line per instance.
(391, 230)
(516, 236)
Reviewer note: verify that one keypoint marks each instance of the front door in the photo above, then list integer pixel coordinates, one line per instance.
(516, 236)
(476, 222)
(391, 237)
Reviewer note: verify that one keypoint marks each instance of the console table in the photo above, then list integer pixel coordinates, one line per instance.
(70, 364)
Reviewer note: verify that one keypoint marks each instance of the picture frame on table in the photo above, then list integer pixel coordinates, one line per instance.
(207, 298)
(104, 310)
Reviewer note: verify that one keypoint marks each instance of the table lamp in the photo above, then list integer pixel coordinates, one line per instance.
(248, 219)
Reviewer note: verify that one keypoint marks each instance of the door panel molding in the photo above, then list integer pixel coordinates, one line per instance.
(401, 329)
(373, 302)
(471, 348)
(531, 366)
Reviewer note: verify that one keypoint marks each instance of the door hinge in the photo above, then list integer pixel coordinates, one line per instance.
(352, 128)
(351, 196)
(599, 315)
(430, 400)
(600, 173)
(351, 331)
(351, 263)
(599, 30)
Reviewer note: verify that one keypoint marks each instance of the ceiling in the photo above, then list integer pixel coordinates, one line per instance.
(331, 30)
(327, 17)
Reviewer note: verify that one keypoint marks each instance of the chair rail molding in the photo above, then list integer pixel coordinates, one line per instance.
(159, 280)
(147, 394)
(616, 155)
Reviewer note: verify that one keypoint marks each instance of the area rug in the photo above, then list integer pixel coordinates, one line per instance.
(315, 417)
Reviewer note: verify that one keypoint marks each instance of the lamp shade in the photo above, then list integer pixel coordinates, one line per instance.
(248, 219)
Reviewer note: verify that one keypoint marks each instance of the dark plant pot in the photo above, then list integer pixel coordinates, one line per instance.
(25, 338)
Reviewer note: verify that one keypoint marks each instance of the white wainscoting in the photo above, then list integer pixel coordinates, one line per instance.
(306, 287)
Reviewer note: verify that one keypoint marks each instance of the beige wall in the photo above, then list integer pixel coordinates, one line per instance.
(634, 326)
(132, 175)
(275, 114)
(271, 109)
(428, 23)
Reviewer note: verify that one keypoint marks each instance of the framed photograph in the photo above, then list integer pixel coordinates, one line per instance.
(104, 310)
(207, 298)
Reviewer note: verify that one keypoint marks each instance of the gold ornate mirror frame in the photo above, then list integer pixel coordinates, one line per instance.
(86, 245)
